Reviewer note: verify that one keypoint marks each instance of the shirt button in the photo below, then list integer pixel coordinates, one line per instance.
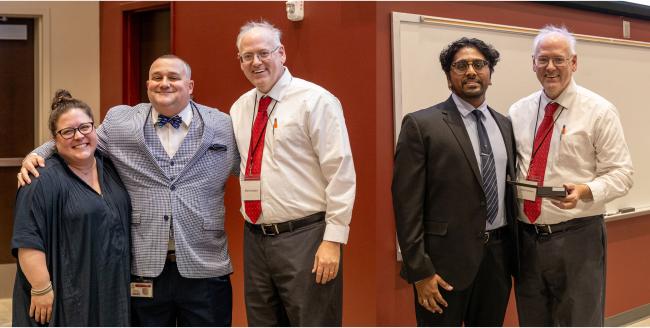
(166, 217)
(172, 188)
(171, 163)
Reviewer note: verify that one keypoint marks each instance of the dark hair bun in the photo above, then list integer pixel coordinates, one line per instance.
(61, 104)
(61, 97)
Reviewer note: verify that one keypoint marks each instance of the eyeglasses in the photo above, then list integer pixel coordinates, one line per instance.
(83, 128)
(462, 66)
(262, 55)
(557, 61)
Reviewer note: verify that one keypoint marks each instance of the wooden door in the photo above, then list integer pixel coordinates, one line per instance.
(147, 34)
(17, 111)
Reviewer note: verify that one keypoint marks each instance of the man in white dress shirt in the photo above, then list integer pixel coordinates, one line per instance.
(298, 188)
(567, 136)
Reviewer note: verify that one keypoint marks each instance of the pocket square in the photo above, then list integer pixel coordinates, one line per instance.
(218, 147)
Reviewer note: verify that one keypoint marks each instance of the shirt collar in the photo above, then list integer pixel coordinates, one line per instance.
(466, 108)
(185, 115)
(280, 88)
(565, 99)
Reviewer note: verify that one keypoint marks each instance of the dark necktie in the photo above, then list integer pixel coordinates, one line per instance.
(488, 170)
(539, 155)
(253, 208)
(175, 121)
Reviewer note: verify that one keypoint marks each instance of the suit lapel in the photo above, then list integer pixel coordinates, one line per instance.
(206, 139)
(138, 131)
(209, 131)
(143, 115)
(457, 127)
(511, 173)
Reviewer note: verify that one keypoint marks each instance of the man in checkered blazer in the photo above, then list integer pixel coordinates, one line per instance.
(174, 157)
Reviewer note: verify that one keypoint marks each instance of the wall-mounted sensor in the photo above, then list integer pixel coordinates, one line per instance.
(295, 10)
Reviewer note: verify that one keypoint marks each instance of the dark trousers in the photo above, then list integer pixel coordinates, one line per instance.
(184, 301)
(485, 301)
(562, 280)
(280, 289)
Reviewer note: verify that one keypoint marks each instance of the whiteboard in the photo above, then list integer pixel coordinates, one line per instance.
(618, 70)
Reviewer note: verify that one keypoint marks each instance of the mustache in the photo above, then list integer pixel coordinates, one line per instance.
(475, 80)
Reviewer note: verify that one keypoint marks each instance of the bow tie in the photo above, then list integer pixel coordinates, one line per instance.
(175, 121)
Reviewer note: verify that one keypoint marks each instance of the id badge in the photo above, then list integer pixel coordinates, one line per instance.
(527, 190)
(251, 188)
(142, 289)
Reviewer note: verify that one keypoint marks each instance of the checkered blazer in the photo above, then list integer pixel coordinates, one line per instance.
(193, 198)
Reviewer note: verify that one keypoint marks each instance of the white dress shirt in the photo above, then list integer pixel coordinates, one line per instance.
(170, 137)
(498, 150)
(307, 162)
(587, 147)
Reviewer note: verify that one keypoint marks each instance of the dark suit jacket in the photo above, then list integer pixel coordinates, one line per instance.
(438, 198)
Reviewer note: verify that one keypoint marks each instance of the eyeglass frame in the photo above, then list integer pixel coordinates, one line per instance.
(552, 59)
(258, 55)
(469, 63)
(74, 130)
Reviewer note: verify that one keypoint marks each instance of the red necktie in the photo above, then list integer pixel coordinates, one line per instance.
(255, 150)
(537, 168)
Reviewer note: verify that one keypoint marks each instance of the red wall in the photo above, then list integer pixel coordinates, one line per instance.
(333, 47)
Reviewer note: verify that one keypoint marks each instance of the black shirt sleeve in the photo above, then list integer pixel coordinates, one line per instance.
(30, 218)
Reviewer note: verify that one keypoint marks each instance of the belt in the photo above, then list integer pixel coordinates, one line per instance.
(274, 229)
(496, 234)
(551, 229)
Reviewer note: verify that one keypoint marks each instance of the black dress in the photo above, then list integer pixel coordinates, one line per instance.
(85, 237)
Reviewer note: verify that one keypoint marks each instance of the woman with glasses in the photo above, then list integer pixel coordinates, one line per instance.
(71, 231)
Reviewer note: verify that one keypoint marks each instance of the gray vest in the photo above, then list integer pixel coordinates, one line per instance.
(172, 167)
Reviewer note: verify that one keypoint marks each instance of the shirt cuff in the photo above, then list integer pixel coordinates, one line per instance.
(336, 233)
(597, 190)
(26, 244)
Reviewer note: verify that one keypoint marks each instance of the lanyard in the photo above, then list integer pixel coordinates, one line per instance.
(539, 105)
(257, 142)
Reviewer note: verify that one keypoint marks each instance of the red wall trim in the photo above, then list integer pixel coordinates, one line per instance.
(136, 6)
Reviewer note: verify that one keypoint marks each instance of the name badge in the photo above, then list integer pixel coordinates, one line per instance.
(142, 289)
(251, 188)
(527, 190)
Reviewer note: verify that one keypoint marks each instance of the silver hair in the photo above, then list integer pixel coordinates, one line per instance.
(275, 33)
(554, 30)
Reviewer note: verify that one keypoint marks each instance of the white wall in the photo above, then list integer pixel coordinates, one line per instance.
(616, 69)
